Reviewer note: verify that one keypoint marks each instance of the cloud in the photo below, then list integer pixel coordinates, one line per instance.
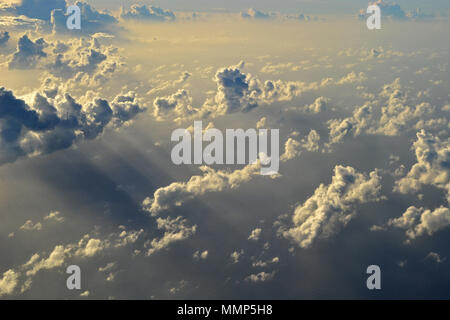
(432, 166)
(28, 53)
(48, 125)
(8, 282)
(142, 12)
(19, 279)
(234, 93)
(28, 226)
(38, 9)
(54, 216)
(395, 11)
(255, 14)
(255, 234)
(291, 150)
(4, 37)
(435, 257)
(178, 104)
(200, 255)
(260, 277)
(420, 221)
(319, 105)
(175, 230)
(332, 206)
(177, 193)
(235, 256)
(264, 264)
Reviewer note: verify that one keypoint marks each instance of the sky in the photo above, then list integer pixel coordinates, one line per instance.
(86, 170)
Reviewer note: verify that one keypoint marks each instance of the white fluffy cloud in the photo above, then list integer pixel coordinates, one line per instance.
(420, 221)
(332, 206)
(177, 193)
(50, 124)
(148, 13)
(432, 167)
(175, 230)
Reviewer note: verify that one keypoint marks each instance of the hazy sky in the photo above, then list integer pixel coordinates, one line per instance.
(87, 179)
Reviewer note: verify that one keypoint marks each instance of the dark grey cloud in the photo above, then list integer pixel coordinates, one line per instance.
(46, 126)
(4, 37)
(28, 53)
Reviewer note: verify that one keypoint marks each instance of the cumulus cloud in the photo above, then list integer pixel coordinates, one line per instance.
(178, 104)
(395, 11)
(435, 257)
(255, 234)
(255, 14)
(260, 277)
(332, 206)
(143, 12)
(19, 279)
(177, 193)
(432, 167)
(28, 53)
(48, 125)
(420, 221)
(38, 9)
(235, 256)
(8, 282)
(29, 225)
(234, 92)
(92, 20)
(319, 105)
(175, 230)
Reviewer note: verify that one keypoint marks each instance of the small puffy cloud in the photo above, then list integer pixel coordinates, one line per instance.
(255, 14)
(177, 193)
(175, 230)
(38, 9)
(319, 105)
(92, 20)
(8, 282)
(432, 166)
(89, 247)
(178, 104)
(255, 234)
(28, 53)
(311, 142)
(200, 255)
(261, 123)
(235, 256)
(19, 279)
(260, 277)
(435, 257)
(332, 206)
(29, 225)
(420, 221)
(234, 92)
(147, 13)
(85, 294)
(48, 124)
